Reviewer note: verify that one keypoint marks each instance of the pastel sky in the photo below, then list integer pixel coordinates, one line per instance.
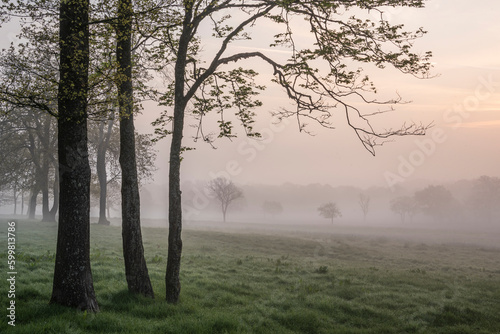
(462, 102)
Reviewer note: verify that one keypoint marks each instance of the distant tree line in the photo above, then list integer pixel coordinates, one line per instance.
(480, 202)
(29, 165)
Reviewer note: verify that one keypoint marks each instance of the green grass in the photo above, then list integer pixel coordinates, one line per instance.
(251, 283)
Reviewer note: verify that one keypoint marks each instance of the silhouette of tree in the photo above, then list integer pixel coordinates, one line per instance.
(329, 211)
(225, 191)
(484, 199)
(364, 204)
(436, 201)
(272, 207)
(404, 206)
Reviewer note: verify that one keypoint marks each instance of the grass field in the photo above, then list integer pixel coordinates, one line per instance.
(265, 283)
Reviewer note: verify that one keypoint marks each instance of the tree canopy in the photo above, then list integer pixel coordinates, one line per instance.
(329, 210)
(321, 77)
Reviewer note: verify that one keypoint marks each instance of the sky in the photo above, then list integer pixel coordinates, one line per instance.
(462, 102)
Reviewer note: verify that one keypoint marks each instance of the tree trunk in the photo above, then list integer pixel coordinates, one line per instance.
(22, 201)
(44, 179)
(15, 198)
(173, 285)
(224, 210)
(73, 284)
(55, 204)
(102, 175)
(103, 193)
(32, 203)
(172, 280)
(44, 171)
(136, 270)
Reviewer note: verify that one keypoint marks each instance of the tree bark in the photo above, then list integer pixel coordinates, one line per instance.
(172, 280)
(136, 270)
(73, 284)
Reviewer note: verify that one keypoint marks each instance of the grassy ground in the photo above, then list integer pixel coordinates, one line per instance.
(256, 283)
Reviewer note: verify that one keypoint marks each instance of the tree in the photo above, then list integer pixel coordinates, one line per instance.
(73, 283)
(103, 141)
(317, 76)
(485, 198)
(104, 146)
(436, 201)
(225, 191)
(404, 206)
(329, 211)
(16, 165)
(136, 270)
(364, 203)
(28, 86)
(272, 207)
(107, 72)
(41, 144)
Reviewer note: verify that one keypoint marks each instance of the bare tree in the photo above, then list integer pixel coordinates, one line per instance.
(329, 210)
(225, 191)
(364, 203)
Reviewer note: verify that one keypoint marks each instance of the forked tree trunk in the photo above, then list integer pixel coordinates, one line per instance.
(73, 284)
(136, 270)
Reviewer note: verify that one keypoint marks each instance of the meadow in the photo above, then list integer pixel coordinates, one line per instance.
(235, 282)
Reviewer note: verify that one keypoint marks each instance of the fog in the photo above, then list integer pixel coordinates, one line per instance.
(300, 206)
(462, 102)
(301, 172)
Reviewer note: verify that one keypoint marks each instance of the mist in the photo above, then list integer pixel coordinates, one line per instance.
(458, 219)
